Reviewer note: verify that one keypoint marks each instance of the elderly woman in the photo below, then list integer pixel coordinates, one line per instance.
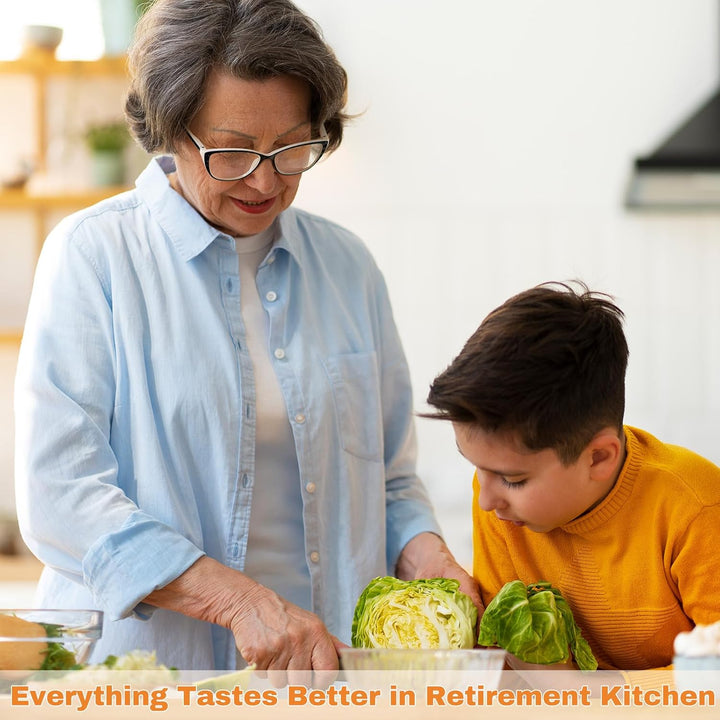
(214, 419)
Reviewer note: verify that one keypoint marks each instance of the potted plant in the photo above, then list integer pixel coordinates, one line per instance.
(107, 142)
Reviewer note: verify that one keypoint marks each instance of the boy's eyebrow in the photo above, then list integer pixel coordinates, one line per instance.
(504, 473)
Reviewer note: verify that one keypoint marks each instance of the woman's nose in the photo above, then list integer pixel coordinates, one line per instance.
(263, 178)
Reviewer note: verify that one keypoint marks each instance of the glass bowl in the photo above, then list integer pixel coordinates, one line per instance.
(40, 639)
(697, 673)
(696, 664)
(378, 667)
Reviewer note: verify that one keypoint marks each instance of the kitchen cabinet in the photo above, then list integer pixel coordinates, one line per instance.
(41, 204)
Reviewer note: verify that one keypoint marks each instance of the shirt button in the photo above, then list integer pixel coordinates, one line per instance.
(271, 296)
(310, 487)
(299, 418)
(279, 353)
(271, 260)
(315, 556)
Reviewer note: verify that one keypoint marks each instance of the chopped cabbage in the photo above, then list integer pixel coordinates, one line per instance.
(133, 660)
(426, 613)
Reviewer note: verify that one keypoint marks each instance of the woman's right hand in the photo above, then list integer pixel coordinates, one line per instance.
(269, 632)
(273, 634)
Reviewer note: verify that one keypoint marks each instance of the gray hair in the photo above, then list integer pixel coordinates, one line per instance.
(179, 42)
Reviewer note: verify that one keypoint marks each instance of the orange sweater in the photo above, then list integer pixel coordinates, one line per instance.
(639, 568)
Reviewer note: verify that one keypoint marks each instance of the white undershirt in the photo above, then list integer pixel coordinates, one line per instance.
(276, 540)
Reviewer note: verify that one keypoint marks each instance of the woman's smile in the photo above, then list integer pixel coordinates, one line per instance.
(254, 207)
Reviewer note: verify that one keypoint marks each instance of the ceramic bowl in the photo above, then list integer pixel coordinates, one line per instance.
(42, 37)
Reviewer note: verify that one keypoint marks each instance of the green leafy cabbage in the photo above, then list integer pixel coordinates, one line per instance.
(534, 623)
(427, 613)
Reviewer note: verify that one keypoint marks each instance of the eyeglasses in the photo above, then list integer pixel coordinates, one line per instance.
(237, 163)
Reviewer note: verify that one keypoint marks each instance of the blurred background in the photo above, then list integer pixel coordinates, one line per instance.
(492, 151)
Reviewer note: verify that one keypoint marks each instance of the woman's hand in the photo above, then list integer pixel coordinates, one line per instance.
(269, 632)
(427, 556)
(274, 634)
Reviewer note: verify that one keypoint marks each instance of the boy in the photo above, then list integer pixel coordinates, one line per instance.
(625, 526)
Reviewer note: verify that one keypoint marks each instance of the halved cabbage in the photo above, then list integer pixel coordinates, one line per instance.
(426, 613)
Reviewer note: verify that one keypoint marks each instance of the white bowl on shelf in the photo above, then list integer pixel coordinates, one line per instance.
(43, 38)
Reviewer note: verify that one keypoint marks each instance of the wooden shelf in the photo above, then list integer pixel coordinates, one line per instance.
(40, 68)
(10, 337)
(42, 64)
(22, 200)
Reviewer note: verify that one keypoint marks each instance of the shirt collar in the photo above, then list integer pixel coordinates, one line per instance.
(289, 236)
(189, 232)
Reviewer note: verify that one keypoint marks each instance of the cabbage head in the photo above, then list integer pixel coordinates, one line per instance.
(535, 624)
(426, 613)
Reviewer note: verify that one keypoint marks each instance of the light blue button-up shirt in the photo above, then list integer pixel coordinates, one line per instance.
(135, 414)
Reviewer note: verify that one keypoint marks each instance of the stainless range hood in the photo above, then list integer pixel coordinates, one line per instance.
(684, 172)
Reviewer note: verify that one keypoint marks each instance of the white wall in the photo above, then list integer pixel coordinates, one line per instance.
(492, 155)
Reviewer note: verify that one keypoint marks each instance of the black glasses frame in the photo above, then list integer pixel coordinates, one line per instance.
(207, 153)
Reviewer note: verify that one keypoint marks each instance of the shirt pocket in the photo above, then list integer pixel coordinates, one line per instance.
(355, 385)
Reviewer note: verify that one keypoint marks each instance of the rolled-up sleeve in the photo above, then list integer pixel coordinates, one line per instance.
(72, 513)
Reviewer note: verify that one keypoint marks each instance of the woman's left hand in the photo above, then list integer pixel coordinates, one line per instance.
(427, 556)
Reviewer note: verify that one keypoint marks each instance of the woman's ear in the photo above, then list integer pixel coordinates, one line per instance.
(607, 454)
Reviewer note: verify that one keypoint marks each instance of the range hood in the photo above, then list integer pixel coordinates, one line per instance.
(684, 171)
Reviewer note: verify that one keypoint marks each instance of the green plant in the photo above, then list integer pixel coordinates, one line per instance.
(107, 137)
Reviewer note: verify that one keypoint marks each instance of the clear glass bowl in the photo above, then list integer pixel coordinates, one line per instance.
(367, 667)
(697, 673)
(29, 637)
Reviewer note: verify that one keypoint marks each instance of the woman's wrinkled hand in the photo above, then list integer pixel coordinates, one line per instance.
(270, 633)
(273, 634)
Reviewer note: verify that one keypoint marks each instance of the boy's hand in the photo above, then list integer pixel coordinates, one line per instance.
(427, 556)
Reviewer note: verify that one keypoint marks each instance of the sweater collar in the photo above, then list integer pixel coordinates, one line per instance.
(618, 496)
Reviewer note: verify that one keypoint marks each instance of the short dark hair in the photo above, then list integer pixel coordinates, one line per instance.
(548, 365)
(178, 43)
